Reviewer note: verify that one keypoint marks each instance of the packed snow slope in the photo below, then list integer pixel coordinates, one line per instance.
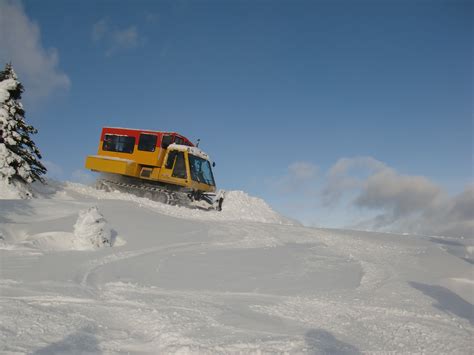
(89, 271)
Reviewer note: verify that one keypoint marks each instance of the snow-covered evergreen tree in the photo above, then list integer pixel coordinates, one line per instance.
(19, 156)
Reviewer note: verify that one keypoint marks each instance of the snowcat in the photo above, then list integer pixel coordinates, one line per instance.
(161, 166)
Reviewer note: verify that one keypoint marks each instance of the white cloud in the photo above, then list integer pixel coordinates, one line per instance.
(300, 177)
(115, 39)
(20, 43)
(428, 221)
(401, 203)
(152, 17)
(343, 165)
(302, 170)
(401, 194)
(99, 30)
(345, 175)
(126, 38)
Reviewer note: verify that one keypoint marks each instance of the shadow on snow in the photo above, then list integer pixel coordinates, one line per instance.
(320, 341)
(447, 300)
(82, 341)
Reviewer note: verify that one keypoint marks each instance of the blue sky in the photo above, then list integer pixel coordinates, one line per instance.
(266, 85)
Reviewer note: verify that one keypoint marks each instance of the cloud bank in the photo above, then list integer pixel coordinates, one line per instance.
(387, 200)
(402, 203)
(345, 175)
(20, 43)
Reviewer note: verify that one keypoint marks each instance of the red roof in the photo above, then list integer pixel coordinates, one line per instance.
(132, 132)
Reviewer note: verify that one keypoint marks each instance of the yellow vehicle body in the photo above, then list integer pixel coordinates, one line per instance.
(153, 163)
(112, 165)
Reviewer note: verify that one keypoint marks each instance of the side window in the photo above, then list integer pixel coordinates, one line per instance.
(121, 144)
(166, 140)
(179, 140)
(171, 158)
(147, 142)
(108, 142)
(179, 170)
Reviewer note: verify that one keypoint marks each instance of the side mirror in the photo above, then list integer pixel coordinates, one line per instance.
(213, 164)
(166, 141)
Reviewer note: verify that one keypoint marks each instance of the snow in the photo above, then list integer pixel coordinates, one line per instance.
(56, 241)
(91, 231)
(91, 228)
(246, 280)
(8, 191)
(5, 86)
(192, 150)
(238, 206)
(14, 190)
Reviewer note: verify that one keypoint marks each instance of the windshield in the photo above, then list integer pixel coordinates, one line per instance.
(201, 170)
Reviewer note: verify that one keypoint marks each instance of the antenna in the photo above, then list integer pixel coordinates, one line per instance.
(197, 142)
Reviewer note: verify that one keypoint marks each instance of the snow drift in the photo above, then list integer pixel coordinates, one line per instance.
(90, 231)
(238, 206)
(13, 190)
(91, 227)
(244, 280)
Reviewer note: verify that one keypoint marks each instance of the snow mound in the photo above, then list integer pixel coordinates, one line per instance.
(3, 244)
(56, 241)
(92, 229)
(14, 190)
(237, 206)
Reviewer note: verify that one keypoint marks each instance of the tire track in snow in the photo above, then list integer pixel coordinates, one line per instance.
(98, 263)
(128, 255)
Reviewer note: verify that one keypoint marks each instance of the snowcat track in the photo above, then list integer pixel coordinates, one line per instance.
(156, 193)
